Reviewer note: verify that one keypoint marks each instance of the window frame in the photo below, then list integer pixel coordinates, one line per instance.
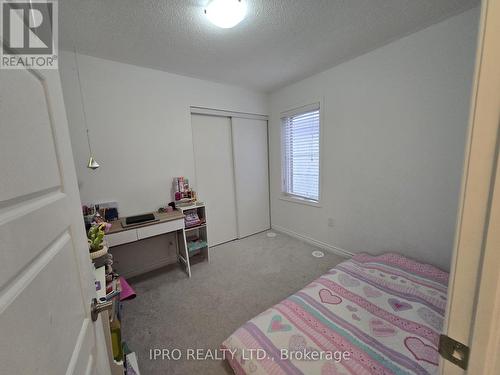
(285, 195)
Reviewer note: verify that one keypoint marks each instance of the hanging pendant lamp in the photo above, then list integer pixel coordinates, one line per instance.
(92, 163)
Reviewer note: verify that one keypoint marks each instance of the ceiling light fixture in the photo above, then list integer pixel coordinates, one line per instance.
(226, 13)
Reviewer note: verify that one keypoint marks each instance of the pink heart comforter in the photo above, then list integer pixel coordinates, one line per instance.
(368, 315)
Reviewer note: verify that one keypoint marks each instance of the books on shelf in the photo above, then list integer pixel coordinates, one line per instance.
(196, 243)
(192, 219)
(195, 229)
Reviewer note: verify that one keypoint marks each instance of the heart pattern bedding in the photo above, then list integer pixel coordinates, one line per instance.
(368, 315)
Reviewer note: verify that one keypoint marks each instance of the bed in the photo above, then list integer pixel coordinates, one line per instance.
(368, 315)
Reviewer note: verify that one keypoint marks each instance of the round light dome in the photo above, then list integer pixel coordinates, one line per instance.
(226, 13)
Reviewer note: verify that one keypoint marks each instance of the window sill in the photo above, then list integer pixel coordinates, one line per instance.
(299, 200)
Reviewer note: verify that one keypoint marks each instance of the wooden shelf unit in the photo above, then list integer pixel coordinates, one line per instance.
(117, 367)
(198, 232)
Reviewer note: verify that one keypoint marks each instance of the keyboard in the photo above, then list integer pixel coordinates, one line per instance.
(139, 219)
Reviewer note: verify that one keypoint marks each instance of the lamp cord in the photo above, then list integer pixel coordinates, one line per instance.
(82, 101)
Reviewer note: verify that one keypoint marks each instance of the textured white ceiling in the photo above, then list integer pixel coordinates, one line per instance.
(280, 41)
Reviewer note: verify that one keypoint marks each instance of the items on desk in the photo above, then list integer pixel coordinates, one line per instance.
(88, 210)
(108, 210)
(169, 208)
(181, 184)
(97, 213)
(110, 214)
(183, 194)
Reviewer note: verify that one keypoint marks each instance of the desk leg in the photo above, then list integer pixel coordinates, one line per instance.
(183, 253)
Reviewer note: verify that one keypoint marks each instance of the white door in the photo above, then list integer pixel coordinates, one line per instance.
(46, 282)
(251, 175)
(214, 175)
(474, 286)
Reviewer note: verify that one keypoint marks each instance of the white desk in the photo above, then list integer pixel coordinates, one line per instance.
(168, 222)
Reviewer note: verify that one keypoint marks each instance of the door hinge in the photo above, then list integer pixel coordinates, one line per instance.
(454, 351)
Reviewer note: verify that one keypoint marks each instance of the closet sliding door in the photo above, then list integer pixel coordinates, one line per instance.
(250, 153)
(232, 178)
(213, 156)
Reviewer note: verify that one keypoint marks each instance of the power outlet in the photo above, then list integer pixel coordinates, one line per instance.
(331, 222)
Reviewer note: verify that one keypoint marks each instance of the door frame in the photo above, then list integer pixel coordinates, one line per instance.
(473, 311)
(485, 340)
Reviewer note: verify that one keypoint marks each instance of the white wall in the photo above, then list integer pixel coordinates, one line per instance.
(140, 127)
(393, 135)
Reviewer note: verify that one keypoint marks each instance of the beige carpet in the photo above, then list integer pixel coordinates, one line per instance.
(244, 278)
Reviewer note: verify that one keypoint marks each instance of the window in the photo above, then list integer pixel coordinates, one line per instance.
(300, 162)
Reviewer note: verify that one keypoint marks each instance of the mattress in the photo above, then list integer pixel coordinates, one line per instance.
(368, 315)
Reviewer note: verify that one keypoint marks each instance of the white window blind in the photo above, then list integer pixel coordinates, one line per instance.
(300, 137)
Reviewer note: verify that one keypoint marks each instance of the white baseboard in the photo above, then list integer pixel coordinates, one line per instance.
(322, 245)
